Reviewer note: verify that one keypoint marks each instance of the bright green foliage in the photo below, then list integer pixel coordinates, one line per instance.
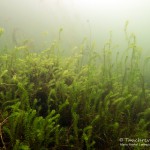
(84, 101)
(1, 31)
(26, 129)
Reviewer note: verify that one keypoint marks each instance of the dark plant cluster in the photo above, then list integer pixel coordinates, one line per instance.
(87, 101)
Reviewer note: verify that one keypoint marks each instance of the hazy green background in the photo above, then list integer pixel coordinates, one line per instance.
(40, 21)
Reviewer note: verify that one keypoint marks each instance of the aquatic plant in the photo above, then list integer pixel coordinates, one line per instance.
(1, 31)
(84, 101)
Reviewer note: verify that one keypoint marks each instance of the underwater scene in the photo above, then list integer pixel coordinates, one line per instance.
(65, 88)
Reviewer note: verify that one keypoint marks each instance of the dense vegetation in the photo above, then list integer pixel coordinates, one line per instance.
(84, 101)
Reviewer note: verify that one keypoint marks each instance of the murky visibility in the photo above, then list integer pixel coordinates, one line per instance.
(74, 75)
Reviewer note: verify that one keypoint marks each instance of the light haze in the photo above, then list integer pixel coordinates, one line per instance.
(40, 21)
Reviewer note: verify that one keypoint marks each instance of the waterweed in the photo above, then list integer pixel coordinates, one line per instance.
(79, 102)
